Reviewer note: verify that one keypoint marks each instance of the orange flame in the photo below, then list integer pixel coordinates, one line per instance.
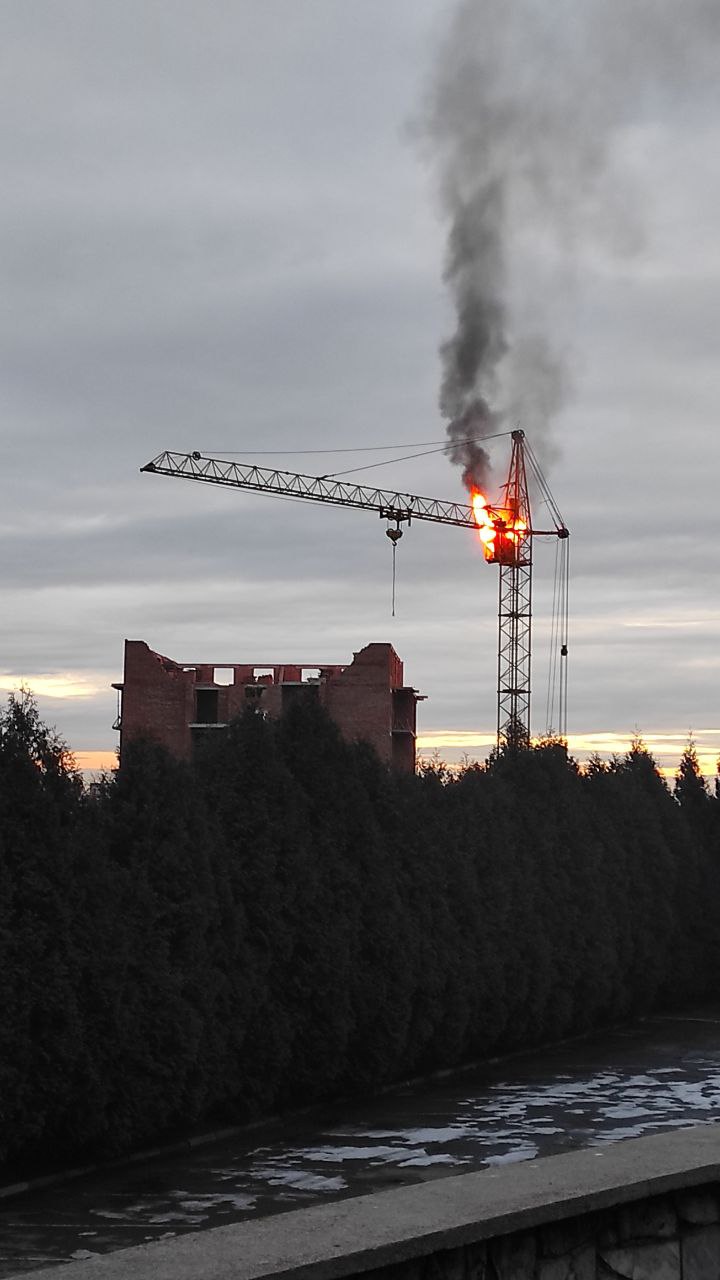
(500, 532)
(484, 522)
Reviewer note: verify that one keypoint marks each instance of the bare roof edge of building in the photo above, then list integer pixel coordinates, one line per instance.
(177, 703)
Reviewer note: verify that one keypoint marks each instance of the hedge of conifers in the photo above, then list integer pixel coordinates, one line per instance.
(285, 920)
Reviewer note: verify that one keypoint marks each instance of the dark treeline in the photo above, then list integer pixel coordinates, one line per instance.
(285, 920)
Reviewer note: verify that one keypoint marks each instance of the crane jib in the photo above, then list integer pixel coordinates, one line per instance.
(390, 504)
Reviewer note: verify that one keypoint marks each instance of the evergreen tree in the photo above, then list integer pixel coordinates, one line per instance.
(691, 791)
(41, 1045)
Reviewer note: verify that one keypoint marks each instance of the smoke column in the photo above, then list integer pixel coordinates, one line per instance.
(529, 104)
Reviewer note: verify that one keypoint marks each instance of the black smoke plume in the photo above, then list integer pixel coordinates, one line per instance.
(529, 107)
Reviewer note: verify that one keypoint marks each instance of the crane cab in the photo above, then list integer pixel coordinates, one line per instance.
(508, 547)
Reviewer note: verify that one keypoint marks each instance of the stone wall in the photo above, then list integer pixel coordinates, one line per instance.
(673, 1237)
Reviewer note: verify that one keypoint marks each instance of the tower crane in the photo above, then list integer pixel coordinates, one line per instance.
(507, 534)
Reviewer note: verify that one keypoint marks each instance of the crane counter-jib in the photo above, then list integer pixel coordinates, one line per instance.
(389, 503)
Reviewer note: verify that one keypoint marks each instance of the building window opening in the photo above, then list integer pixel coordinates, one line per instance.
(206, 706)
(224, 675)
(311, 675)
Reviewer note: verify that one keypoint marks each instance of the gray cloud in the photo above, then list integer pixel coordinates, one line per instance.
(216, 235)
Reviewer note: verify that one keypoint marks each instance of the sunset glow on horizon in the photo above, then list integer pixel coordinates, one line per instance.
(95, 761)
(58, 684)
(666, 748)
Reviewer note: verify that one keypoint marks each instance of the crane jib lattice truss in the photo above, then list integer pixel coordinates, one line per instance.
(514, 552)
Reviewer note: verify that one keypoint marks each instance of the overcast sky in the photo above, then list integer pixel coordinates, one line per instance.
(218, 232)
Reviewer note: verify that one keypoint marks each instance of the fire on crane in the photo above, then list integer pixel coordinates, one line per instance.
(507, 534)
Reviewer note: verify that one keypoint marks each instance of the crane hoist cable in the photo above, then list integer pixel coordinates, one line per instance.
(394, 535)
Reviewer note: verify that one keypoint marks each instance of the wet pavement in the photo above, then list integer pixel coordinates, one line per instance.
(660, 1074)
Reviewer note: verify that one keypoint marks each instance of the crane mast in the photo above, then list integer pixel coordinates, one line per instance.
(515, 611)
(508, 535)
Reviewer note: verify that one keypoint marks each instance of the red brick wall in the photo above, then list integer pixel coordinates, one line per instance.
(363, 711)
(403, 752)
(360, 699)
(366, 699)
(157, 700)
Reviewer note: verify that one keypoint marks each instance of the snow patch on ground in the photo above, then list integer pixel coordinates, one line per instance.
(450, 1133)
(190, 1219)
(336, 1155)
(528, 1151)
(427, 1160)
(300, 1180)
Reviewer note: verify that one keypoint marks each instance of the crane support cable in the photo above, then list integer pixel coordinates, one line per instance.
(552, 666)
(556, 704)
(544, 487)
(565, 555)
(390, 503)
(360, 448)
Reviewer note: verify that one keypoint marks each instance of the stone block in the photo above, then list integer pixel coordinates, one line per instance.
(579, 1265)
(476, 1262)
(513, 1257)
(698, 1207)
(608, 1233)
(645, 1261)
(401, 1271)
(701, 1254)
(447, 1265)
(559, 1238)
(649, 1220)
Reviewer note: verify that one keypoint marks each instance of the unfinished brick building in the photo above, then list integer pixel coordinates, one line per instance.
(176, 704)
